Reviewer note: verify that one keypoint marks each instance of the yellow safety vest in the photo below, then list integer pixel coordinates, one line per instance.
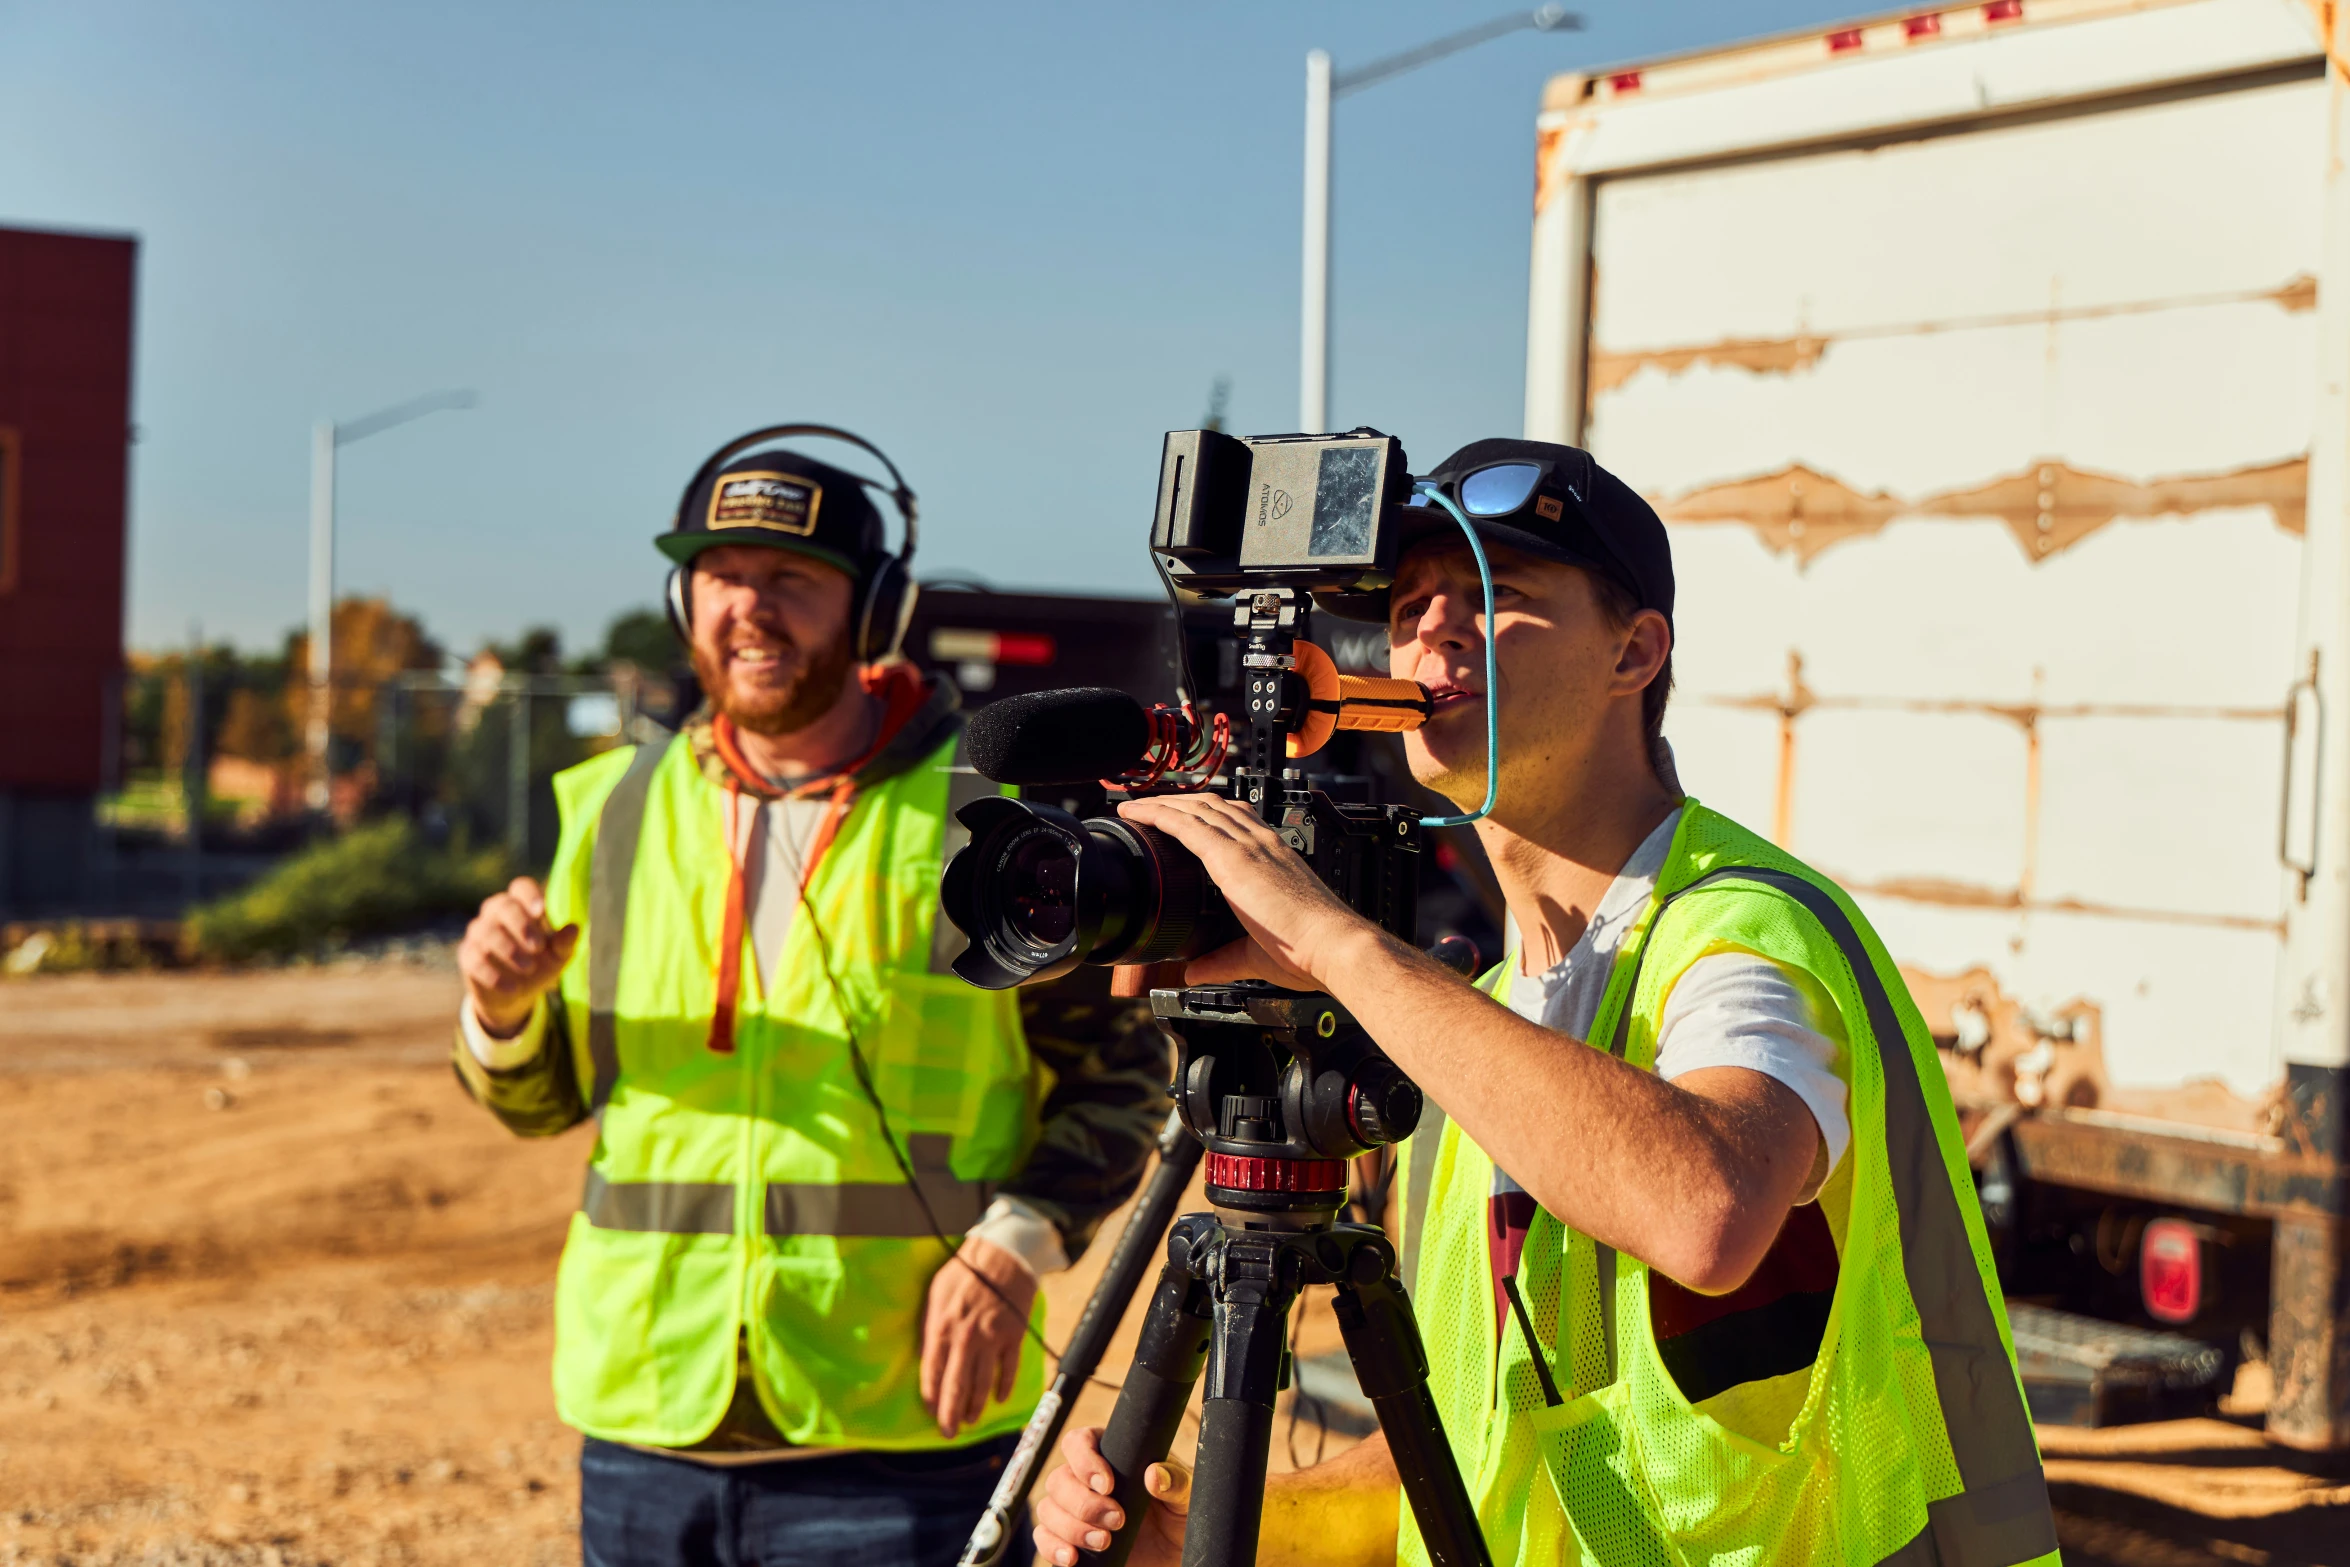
(1905, 1440)
(750, 1197)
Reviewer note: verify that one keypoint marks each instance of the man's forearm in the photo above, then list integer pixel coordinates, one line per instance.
(1662, 1173)
(1337, 1514)
(537, 1096)
(1100, 1121)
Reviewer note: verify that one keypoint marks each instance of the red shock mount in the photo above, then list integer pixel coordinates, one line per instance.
(1166, 757)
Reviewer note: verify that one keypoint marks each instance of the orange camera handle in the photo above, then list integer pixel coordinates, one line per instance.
(1335, 701)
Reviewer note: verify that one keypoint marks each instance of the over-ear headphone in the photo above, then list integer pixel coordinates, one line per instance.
(886, 602)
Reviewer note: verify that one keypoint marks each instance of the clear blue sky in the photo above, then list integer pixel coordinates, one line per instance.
(1011, 243)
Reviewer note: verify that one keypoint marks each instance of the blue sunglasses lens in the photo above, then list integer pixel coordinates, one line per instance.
(1499, 490)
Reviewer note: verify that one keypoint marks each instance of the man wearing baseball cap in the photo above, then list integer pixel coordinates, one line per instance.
(1692, 1240)
(797, 1314)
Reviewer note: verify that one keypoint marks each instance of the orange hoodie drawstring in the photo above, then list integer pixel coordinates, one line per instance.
(902, 692)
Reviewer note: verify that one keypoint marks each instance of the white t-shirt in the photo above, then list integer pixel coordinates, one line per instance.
(1729, 1009)
(777, 834)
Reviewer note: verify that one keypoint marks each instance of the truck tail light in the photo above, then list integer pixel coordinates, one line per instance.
(1922, 26)
(1838, 43)
(1030, 649)
(1628, 81)
(2004, 11)
(2170, 1271)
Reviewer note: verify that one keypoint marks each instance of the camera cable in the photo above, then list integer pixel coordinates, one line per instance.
(863, 1072)
(1492, 691)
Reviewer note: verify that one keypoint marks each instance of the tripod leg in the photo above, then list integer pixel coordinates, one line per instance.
(1383, 1341)
(1150, 1403)
(1179, 1156)
(1256, 1286)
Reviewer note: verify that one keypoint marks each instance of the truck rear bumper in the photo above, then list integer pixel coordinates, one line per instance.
(2299, 1182)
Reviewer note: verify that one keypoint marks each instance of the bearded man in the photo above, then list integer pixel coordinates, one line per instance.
(797, 1316)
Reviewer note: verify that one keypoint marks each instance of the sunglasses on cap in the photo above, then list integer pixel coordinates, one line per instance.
(1502, 488)
(1495, 490)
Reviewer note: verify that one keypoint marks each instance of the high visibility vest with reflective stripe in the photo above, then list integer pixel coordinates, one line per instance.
(750, 1196)
(1909, 1442)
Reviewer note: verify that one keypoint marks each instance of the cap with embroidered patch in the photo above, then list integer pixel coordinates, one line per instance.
(781, 500)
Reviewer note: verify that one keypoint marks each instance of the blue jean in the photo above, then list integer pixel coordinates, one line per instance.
(640, 1509)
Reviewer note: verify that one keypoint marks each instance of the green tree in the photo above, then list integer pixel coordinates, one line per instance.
(642, 637)
(538, 651)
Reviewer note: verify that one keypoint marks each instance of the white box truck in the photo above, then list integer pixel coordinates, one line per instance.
(1988, 365)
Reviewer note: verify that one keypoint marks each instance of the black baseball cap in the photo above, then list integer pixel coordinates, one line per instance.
(1550, 501)
(781, 500)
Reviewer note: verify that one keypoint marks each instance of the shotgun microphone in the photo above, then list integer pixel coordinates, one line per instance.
(1072, 735)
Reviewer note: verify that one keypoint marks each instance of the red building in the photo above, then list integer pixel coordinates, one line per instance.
(65, 426)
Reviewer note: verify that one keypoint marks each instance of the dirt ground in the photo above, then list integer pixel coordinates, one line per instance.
(272, 1291)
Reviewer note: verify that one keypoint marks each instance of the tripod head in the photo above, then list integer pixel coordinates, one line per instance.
(1283, 1087)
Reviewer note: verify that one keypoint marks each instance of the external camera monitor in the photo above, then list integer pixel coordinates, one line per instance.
(1301, 511)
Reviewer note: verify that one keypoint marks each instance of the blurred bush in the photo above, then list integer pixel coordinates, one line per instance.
(376, 880)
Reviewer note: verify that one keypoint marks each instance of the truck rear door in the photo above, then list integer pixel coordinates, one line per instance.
(1984, 448)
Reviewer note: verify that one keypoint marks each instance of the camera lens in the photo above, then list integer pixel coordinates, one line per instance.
(1173, 910)
(1037, 892)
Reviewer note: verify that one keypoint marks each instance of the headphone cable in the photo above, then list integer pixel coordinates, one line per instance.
(864, 1075)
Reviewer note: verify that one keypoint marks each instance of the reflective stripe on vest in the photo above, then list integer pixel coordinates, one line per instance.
(659, 1207)
(888, 1208)
(618, 827)
(2002, 1516)
(884, 1207)
(1419, 1172)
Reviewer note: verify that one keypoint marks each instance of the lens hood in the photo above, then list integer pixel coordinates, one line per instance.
(1038, 891)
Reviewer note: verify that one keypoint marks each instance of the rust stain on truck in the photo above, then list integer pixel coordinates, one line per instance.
(1762, 355)
(2049, 506)
(1611, 368)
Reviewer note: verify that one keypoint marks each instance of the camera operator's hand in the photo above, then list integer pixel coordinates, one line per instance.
(1075, 1510)
(1295, 924)
(509, 958)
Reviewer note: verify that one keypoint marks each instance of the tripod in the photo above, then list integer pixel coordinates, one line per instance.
(1179, 1155)
(1223, 1297)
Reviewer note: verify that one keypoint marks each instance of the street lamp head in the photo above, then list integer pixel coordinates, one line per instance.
(400, 413)
(1322, 85)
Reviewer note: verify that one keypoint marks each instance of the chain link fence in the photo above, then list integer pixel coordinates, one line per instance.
(463, 753)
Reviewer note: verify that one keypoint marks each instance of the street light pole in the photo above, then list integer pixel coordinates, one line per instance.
(1322, 87)
(325, 438)
(1313, 374)
(322, 603)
